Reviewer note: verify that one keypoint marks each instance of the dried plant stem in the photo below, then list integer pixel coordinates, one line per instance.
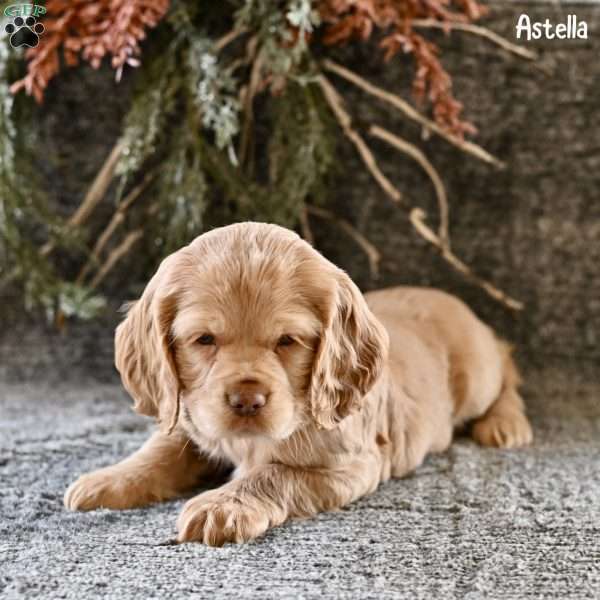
(336, 104)
(229, 37)
(116, 255)
(373, 255)
(116, 220)
(307, 233)
(248, 102)
(98, 187)
(411, 113)
(416, 154)
(417, 216)
(94, 195)
(122, 249)
(480, 31)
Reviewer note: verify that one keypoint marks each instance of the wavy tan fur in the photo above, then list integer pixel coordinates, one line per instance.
(369, 386)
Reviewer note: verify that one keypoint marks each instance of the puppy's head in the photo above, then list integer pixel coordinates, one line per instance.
(254, 332)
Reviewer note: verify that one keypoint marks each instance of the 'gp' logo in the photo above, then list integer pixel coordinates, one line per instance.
(24, 10)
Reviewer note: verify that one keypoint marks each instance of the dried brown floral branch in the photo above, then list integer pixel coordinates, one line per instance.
(410, 112)
(348, 19)
(90, 30)
(373, 255)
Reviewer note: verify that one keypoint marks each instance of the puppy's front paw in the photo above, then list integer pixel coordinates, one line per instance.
(108, 488)
(503, 431)
(218, 517)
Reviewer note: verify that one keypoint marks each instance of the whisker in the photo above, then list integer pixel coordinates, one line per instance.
(184, 447)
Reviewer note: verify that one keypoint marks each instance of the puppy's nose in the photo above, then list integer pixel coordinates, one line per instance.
(247, 397)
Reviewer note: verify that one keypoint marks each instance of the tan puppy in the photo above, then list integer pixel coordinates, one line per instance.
(268, 358)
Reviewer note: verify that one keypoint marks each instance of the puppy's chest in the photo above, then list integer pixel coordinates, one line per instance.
(243, 454)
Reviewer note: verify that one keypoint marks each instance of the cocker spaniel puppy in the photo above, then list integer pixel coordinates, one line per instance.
(255, 352)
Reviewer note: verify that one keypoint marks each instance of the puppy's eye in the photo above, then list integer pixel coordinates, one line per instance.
(285, 340)
(206, 339)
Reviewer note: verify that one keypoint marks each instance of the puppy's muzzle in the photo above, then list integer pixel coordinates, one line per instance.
(247, 397)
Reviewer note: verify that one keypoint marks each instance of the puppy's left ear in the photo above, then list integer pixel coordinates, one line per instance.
(143, 347)
(351, 355)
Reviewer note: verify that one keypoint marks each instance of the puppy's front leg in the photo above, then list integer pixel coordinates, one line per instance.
(162, 468)
(268, 495)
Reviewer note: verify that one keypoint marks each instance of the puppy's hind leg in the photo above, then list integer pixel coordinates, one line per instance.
(505, 424)
(164, 467)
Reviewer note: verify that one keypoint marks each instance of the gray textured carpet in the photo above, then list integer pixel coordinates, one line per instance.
(471, 523)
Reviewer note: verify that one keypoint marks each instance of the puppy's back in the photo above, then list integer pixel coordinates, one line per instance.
(451, 330)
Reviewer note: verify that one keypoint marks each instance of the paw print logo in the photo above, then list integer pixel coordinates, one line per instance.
(24, 32)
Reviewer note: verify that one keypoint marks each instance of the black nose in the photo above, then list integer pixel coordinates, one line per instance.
(247, 397)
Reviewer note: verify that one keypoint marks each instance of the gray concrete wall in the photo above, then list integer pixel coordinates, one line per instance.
(534, 228)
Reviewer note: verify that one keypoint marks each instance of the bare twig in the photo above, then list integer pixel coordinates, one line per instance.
(116, 255)
(122, 249)
(94, 195)
(372, 253)
(414, 152)
(417, 218)
(336, 104)
(116, 220)
(229, 37)
(307, 233)
(411, 113)
(98, 187)
(480, 31)
(248, 102)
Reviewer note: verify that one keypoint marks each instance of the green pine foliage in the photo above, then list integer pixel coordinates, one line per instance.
(183, 132)
(27, 221)
(300, 152)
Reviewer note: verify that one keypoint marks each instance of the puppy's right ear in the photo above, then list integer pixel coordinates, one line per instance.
(143, 353)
